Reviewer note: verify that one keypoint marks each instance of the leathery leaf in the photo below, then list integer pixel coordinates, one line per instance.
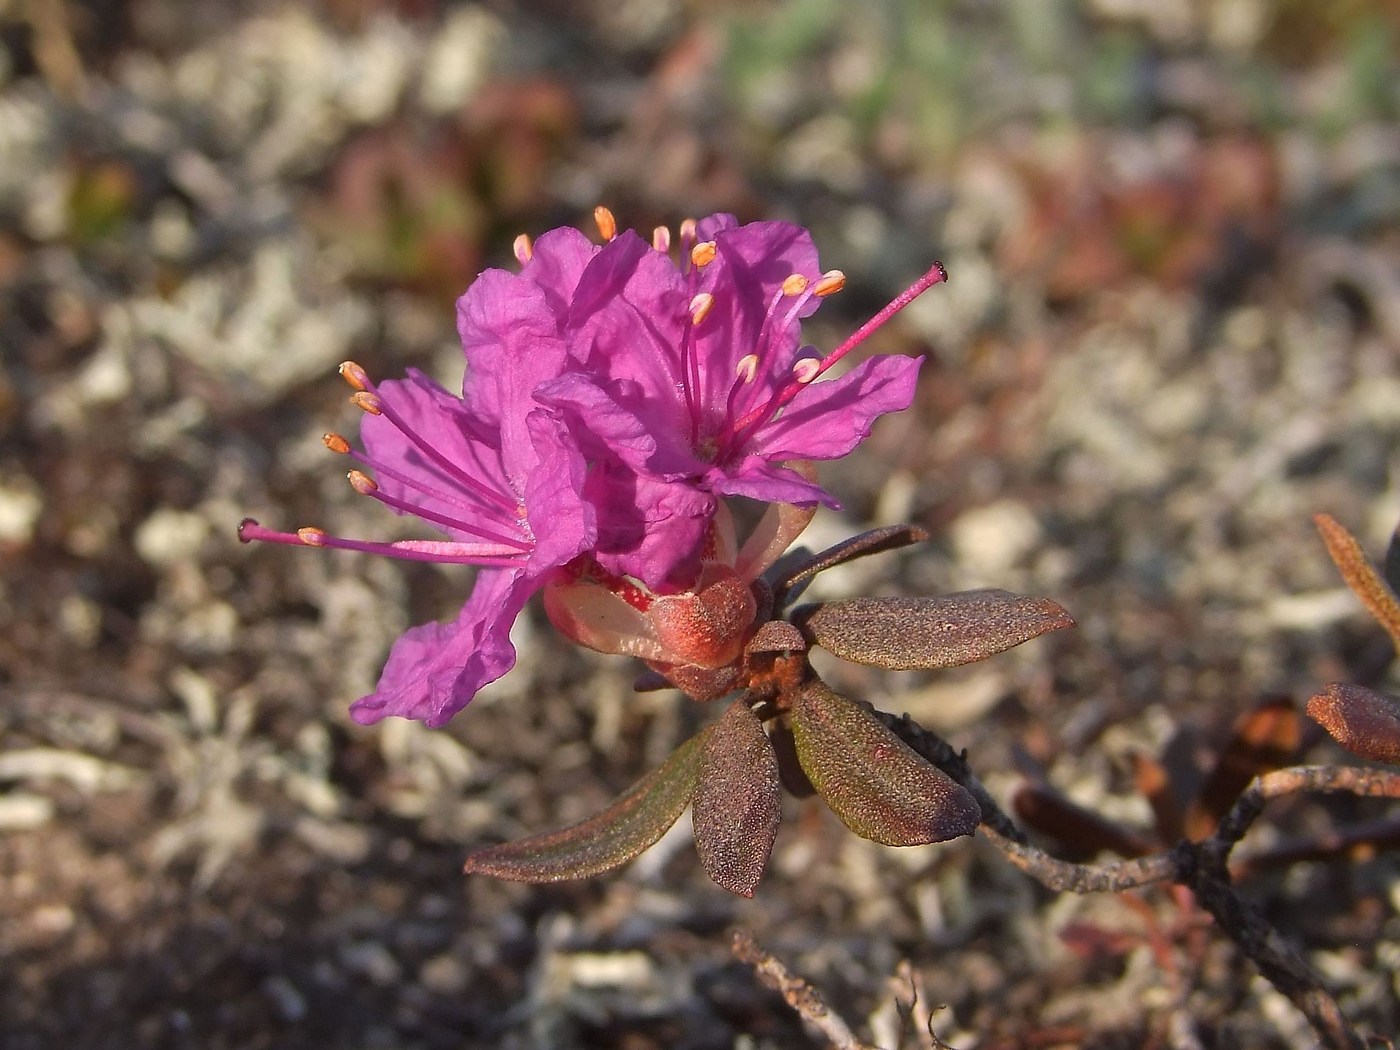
(904, 634)
(878, 785)
(635, 820)
(736, 809)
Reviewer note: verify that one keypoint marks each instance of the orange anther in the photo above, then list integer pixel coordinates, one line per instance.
(335, 443)
(700, 306)
(830, 283)
(367, 401)
(362, 482)
(353, 374)
(524, 248)
(607, 224)
(703, 253)
(794, 284)
(312, 537)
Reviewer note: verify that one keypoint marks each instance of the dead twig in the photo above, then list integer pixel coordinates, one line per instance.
(1202, 866)
(797, 993)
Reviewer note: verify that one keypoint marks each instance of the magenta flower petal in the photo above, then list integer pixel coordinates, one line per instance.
(556, 265)
(434, 670)
(757, 478)
(650, 529)
(828, 419)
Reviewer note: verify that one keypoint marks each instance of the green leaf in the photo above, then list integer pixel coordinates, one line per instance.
(903, 634)
(634, 821)
(875, 782)
(736, 807)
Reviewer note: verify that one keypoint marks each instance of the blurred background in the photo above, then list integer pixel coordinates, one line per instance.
(1171, 335)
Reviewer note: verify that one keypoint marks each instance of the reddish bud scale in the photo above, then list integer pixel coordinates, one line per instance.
(707, 627)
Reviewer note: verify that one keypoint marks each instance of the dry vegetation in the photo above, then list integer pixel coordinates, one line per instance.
(1170, 336)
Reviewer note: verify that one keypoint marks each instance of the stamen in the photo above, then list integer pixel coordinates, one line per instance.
(371, 403)
(701, 306)
(375, 405)
(661, 239)
(703, 254)
(365, 486)
(356, 376)
(607, 224)
(794, 284)
(447, 551)
(524, 248)
(688, 233)
(336, 443)
(831, 282)
(756, 417)
(742, 393)
(747, 368)
(805, 370)
(362, 483)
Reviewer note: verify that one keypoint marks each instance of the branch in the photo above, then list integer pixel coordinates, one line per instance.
(1353, 780)
(1200, 866)
(796, 992)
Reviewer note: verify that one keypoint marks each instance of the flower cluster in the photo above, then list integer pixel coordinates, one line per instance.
(614, 396)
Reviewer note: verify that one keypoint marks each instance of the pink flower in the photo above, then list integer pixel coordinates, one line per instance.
(509, 497)
(694, 372)
(613, 396)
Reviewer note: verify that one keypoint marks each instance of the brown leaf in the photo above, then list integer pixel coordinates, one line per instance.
(1364, 722)
(876, 541)
(878, 785)
(1263, 739)
(634, 821)
(901, 634)
(1360, 575)
(735, 811)
(776, 636)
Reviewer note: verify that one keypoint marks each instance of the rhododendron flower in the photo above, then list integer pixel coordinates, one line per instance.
(509, 498)
(613, 397)
(700, 368)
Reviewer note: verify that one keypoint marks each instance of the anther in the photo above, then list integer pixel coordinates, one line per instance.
(353, 374)
(362, 482)
(700, 306)
(805, 370)
(794, 284)
(335, 443)
(747, 368)
(703, 253)
(311, 536)
(524, 248)
(369, 402)
(830, 283)
(688, 233)
(607, 224)
(661, 239)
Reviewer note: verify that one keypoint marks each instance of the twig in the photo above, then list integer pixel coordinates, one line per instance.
(1200, 866)
(1209, 879)
(1353, 780)
(797, 993)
